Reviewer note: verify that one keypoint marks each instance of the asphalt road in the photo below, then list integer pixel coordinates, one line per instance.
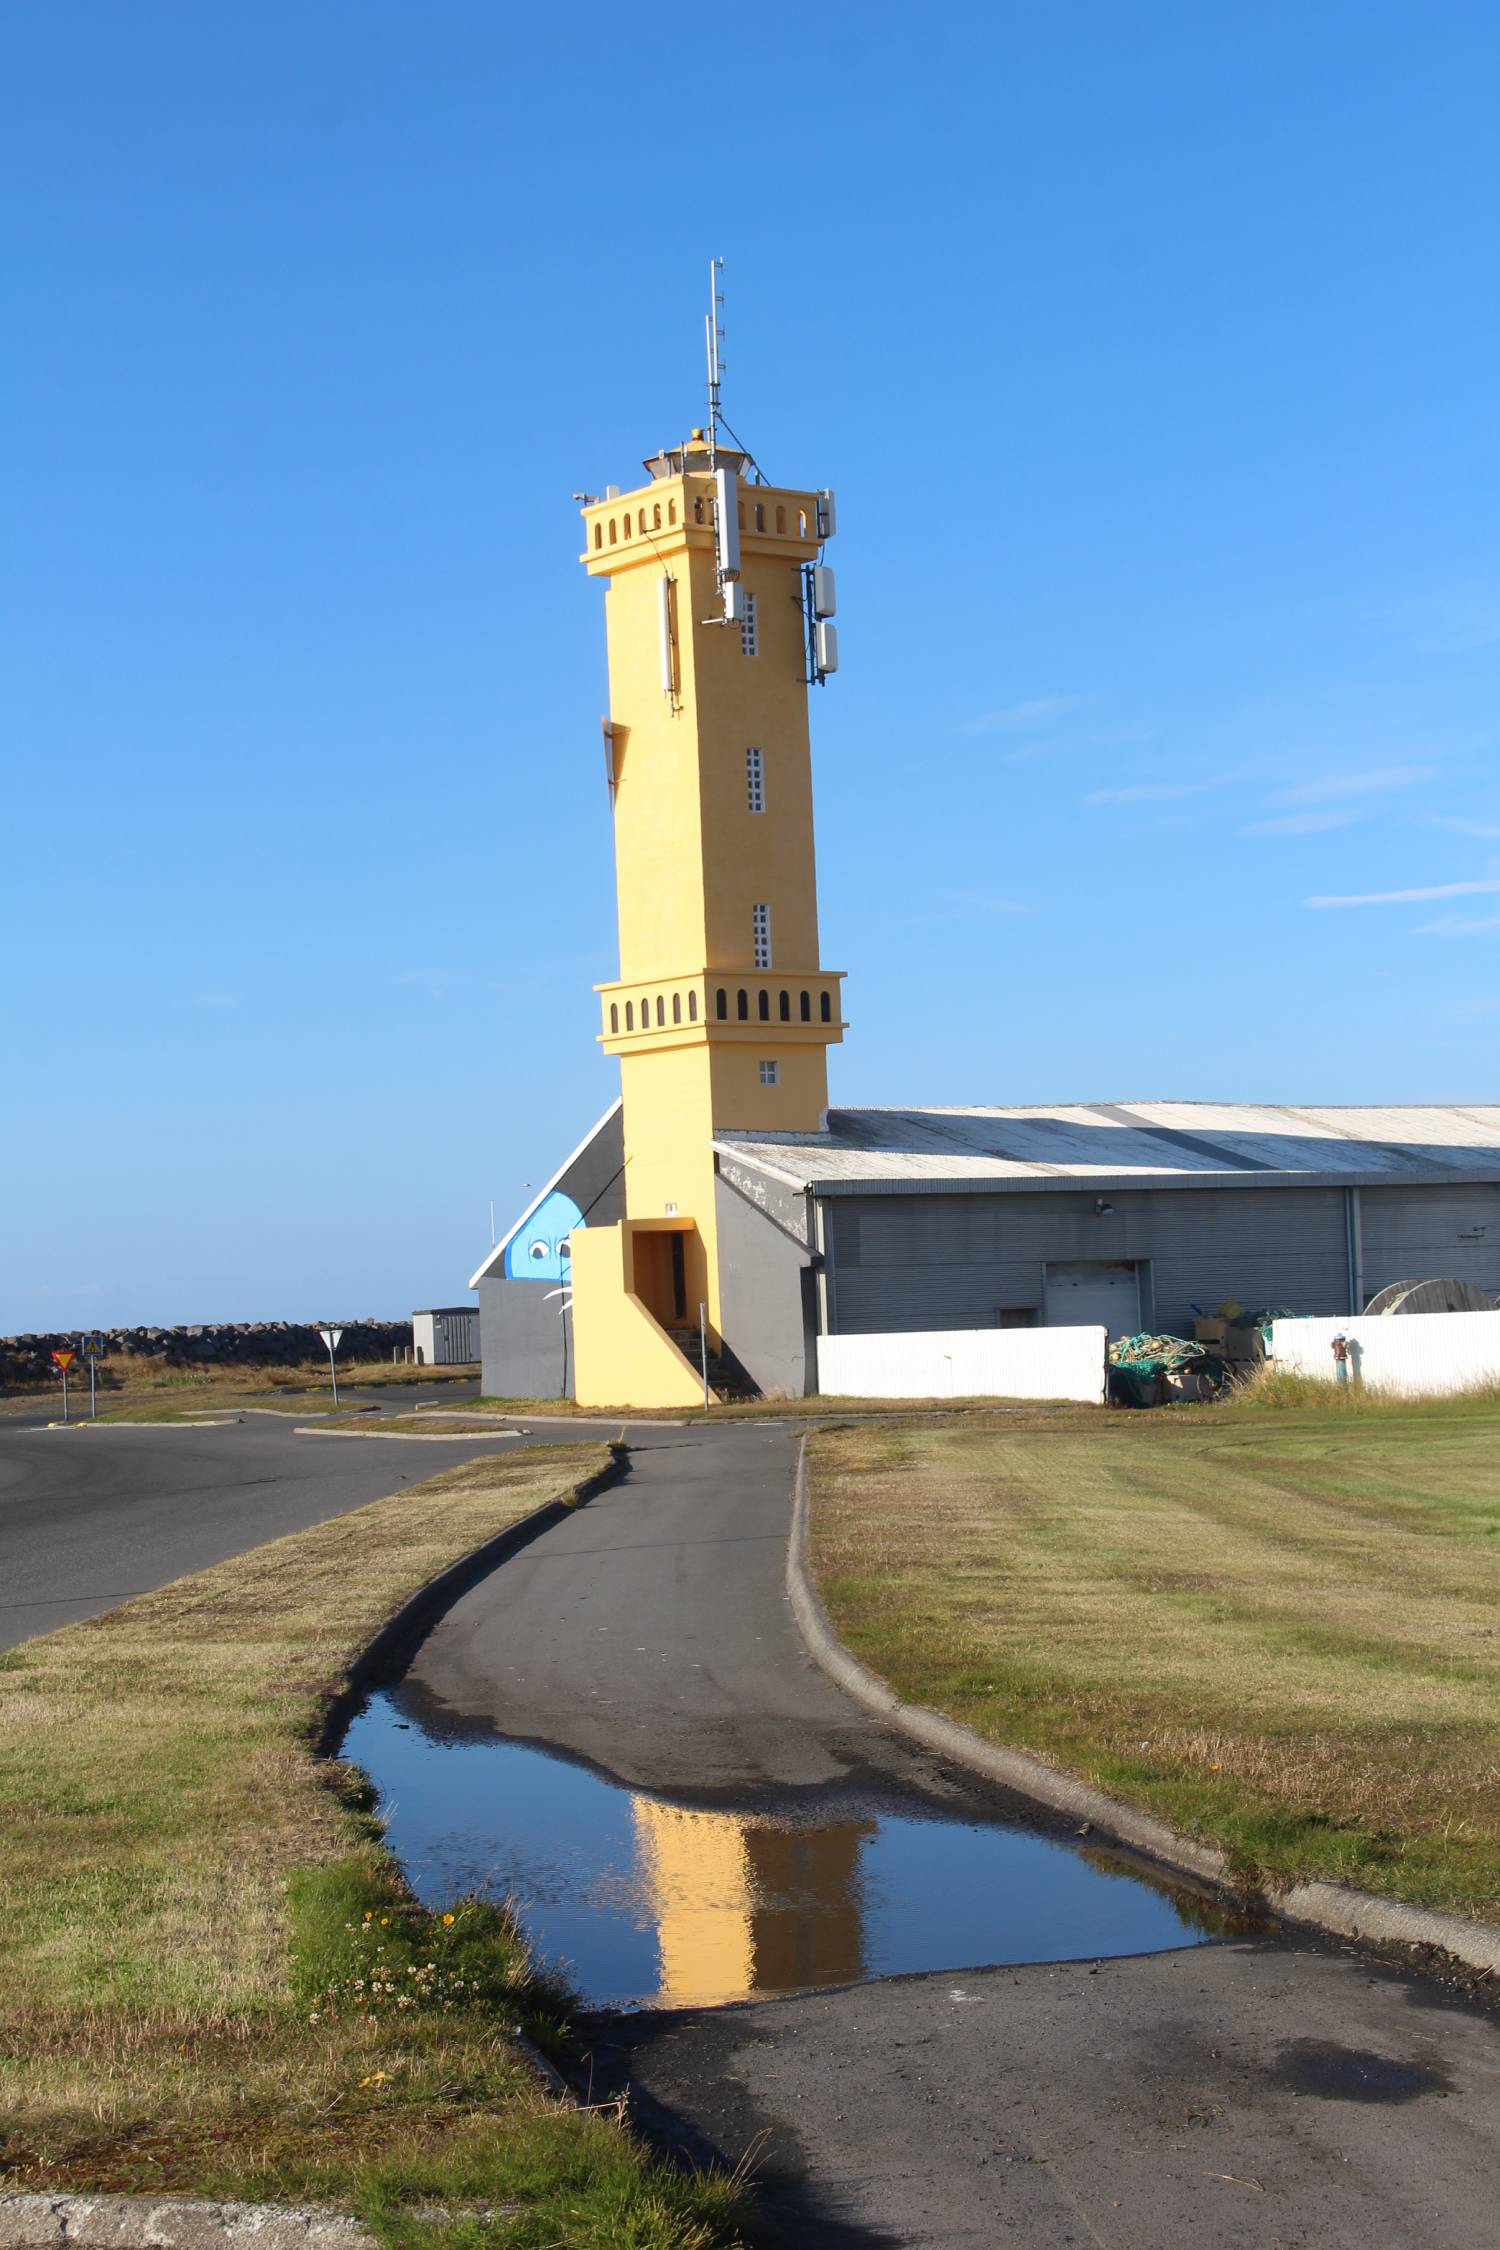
(89, 1517)
(1254, 2092)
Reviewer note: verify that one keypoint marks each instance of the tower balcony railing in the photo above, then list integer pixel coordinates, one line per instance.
(803, 1005)
(655, 513)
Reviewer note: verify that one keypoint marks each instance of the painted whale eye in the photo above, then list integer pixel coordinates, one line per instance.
(565, 1247)
(538, 1250)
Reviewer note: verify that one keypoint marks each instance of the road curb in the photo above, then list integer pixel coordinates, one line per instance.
(1333, 1908)
(406, 1627)
(138, 2222)
(411, 1437)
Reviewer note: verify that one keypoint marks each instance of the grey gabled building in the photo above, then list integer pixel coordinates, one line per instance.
(1135, 1214)
(525, 1319)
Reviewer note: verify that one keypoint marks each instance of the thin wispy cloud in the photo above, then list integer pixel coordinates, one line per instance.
(1417, 896)
(1150, 792)
(1300, 824)
(1458, 824)
(1455, 624)
(979, 902)
(1458, 925)
(1333, 788)
(1041, 710)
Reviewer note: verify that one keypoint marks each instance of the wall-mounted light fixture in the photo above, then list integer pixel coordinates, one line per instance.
(1102, 1210)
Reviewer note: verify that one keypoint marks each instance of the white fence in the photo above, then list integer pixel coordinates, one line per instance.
(966, 1363)
(1416, 1352)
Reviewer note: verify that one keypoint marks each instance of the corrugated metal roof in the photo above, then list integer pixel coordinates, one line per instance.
(1145, 1144)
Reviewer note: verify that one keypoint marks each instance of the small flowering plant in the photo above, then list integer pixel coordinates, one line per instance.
(400, 1963)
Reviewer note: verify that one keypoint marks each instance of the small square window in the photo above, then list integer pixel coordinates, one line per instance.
(770, 1074)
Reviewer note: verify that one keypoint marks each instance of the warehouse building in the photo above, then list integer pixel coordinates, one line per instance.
(1134, 1216)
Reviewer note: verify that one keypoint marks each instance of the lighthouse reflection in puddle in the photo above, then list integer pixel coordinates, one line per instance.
(641, 1902)
(743, 1907)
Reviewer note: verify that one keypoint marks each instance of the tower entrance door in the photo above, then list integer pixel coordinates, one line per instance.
(660, 1260)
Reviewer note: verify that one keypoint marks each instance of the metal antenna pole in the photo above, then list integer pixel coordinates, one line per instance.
(715, 336)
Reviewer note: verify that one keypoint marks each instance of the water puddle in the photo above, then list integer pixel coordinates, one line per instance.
(647, 1904)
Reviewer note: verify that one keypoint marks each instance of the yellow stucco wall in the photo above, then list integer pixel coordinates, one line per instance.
(621, 1355)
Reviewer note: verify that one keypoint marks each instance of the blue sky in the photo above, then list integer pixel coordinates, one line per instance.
(1152, 352)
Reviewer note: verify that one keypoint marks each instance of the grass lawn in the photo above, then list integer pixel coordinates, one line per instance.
(1276, 1626)
(212, 1978)
(143, 1390)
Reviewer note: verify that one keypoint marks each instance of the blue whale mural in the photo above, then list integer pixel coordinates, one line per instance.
(540, 1250)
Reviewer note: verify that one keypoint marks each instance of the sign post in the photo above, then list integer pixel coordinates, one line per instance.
(93, 1352)
(332, 1338)
(65, 1360)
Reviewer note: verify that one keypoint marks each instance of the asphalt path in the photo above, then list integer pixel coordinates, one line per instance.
(91, 1516)
(1246, 2094)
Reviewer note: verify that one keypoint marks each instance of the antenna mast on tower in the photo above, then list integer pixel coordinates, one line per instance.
(714, 327)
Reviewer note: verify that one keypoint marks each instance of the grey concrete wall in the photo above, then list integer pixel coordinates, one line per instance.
(911, 1262)
(526, 1343)
(764, 1271)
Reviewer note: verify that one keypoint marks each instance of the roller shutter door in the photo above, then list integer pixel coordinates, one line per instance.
(1094, 1292)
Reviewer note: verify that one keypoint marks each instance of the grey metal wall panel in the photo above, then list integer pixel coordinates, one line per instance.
(1425, 1234)
(913, 1262)
(527, 1344)
(764, 1306)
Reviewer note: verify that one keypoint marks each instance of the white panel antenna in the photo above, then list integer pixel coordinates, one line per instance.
(727, 522)
(824, 597)
(826, 646)
(828, 521)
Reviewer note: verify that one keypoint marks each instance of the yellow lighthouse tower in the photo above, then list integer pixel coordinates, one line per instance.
(717, 617)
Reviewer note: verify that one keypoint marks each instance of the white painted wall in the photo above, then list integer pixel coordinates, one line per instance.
(1414, 1352)
(966, 1363)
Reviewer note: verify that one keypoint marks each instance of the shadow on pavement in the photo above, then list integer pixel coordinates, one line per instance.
(676, 2071)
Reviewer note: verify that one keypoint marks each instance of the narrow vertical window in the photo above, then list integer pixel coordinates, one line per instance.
(629, 1015)
(807, 1007)
(755, 780)
(825, 1008)
(786, 1007)
(770, 1074)
(742, 1004)
(614, 1015)
(760, 917)
(677, 1007)
(661, 1009)
(693, 1007)
(721, 1004)
(750, 630)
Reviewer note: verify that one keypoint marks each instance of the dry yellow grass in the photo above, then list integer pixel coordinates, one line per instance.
(178, 1872)
(1279, 1629)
